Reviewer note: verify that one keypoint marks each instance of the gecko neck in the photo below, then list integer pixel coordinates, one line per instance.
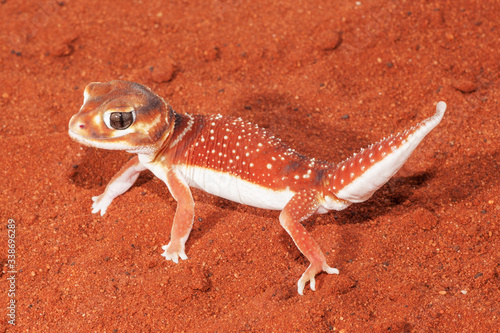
(181, 125)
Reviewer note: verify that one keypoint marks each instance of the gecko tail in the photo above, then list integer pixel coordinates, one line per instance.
(358, 177)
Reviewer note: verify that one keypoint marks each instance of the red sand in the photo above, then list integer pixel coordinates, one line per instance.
(328, 77)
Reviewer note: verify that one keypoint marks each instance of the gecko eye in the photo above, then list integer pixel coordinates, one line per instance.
(121, 120)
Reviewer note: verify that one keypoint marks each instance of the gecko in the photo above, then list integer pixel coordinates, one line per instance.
(233, 159)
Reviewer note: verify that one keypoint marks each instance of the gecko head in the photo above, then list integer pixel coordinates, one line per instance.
(122, 115)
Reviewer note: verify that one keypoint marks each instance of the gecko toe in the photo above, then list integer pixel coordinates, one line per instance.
(182, 255)
(331, 270)
(312, 284)
(301, 285)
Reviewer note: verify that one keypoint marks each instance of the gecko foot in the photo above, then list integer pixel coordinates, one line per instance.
(174, 252)
(101, 204)
(309, 275)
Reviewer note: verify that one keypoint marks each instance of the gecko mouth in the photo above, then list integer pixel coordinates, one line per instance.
(78, 136)
(106, 143)
(82, 139)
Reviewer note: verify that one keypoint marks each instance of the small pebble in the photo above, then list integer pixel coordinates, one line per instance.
(464, 86)
(163, 72)
(328, 40)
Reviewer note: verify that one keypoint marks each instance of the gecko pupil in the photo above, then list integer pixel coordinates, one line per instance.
(121, 120)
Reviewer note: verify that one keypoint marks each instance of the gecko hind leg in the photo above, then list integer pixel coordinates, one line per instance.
(300, 207)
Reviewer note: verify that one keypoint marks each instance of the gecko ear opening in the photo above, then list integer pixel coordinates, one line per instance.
(119, 120)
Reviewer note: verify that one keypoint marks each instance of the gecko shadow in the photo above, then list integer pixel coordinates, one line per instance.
(397, 192)
(96, 168)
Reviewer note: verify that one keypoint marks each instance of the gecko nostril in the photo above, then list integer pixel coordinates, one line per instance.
(82, 126)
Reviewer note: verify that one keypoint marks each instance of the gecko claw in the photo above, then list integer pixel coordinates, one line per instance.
(174, 255)
(100, 204)
(309, 275)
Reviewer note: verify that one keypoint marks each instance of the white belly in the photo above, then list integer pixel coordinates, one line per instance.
(230, 187)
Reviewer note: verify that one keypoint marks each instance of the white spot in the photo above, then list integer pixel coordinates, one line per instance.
(211, 138)
(269, 166)
(296, 177)
(211, 131)
(247, 154)
(225, 137)
(251, 164)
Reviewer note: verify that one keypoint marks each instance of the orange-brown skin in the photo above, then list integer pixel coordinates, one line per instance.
(233, 159)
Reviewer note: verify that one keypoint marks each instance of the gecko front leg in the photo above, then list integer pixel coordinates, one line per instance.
(118, 185)
(300, 207)
(183, 219)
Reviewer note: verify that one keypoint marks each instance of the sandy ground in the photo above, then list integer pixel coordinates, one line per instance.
(328, 77)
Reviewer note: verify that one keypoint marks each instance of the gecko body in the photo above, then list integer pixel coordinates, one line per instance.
(233, 159)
